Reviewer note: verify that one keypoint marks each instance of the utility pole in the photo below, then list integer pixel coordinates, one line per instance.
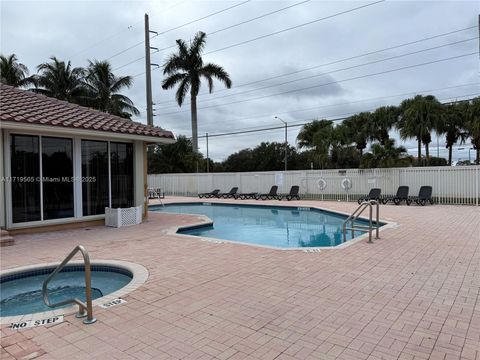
(148, 73)
(208, 160)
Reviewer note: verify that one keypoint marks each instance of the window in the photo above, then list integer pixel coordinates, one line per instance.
(44, 180)
(57, 178)
(25, 171)
(121, 157)
(95, 192)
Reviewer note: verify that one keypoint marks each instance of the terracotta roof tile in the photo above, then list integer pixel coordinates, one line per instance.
(23, 106)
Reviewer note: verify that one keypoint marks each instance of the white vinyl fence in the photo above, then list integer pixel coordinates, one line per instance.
(451, 185)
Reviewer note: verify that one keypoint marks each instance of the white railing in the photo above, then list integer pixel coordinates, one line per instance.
(451, 185)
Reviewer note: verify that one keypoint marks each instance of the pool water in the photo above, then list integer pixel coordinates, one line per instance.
(22, 293)
(275, 226)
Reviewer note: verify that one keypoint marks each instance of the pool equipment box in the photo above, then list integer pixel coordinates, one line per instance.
(34, 323)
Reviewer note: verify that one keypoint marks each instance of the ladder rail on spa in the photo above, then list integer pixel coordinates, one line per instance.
(84, 309)
(356, 214)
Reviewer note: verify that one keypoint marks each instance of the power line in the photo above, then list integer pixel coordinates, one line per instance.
(358, 101)
(131, 62)
(168, 30)
(336, 61)
(303, 122)
(121, 32)
(127, 49)
(306, 121)
(203, 18)
(331, 82)
(246, 21)
(355, 102)
(282, 31)
(294, 27)
(105, 39)
(331, 72)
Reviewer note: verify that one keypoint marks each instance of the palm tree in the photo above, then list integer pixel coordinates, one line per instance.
(453, 124)
(388, 155)
(305, 137)
(473, 125)
(102, 90)
(57, 79)
(186, 68)
(319, 135)
(419, 116)
(14, 73)
(381, 122)
(356, 129)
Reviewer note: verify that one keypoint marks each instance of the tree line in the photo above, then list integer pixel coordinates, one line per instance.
(321, 144)
(94, 86)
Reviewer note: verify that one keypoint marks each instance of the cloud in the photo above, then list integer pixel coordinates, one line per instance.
(84, 30)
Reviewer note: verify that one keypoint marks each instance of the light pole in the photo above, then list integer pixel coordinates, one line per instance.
(286, 140)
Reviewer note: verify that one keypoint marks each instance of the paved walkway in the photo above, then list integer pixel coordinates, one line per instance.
(413, 294)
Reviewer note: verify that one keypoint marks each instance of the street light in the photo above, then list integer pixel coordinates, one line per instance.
(286, 141)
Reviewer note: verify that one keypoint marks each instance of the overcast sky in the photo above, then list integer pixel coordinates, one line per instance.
(81, 30)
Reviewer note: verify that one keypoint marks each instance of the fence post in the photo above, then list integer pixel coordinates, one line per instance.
(476, 185)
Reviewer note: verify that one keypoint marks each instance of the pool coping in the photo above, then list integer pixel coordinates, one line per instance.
(206, 221)
(139, 272)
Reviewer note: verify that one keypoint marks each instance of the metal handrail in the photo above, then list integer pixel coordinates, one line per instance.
(356, 214)
(83, 309)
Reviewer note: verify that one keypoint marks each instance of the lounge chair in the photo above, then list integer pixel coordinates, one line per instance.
(153, 194)
(228, 195)
(271, 195)
(424, 195)
(402, 195)
(374, 194)
(292, 195)
(210, 194)
(244, 196)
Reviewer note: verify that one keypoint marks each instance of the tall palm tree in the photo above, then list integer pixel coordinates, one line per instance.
(186, 68)
(102, 90)
(356, 129)
(59, 80)
(381, 122)
(419, 116)
(473, 126)
(14, 73)
(453, 125)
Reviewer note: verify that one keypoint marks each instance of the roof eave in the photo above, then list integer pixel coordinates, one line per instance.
(9, 125)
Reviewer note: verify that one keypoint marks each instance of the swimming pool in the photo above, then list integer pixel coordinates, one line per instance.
(273, 226)
(21, 293)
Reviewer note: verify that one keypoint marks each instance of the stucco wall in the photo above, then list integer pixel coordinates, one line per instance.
(2, 183)
(139, 180)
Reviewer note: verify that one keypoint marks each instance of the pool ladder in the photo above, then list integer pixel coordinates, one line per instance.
(365, 228)
(84, 310)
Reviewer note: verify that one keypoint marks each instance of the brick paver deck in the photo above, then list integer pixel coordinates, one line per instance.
(413, 294)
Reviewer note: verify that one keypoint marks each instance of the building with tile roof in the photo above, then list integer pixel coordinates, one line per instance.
(62, 163)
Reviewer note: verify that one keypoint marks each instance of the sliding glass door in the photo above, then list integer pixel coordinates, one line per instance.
(121, 157)
(25, 179)
(42, 178)
(95, 191)
(57, 178)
